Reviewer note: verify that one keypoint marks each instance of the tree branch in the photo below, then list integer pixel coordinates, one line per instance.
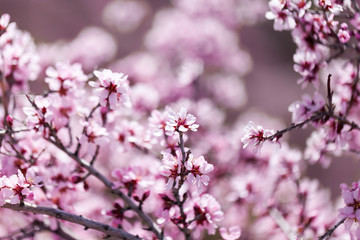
(149, 222)
(115, 232)
(331, 230)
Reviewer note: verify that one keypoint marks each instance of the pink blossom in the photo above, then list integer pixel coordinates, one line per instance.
(65, 78)
(255, 136)
(16, 188)
(112, 89)
(171, 169)
(351, 196)
(157, 122)
(4, 21)
(32, 178)
(94, 135)
(207, 212)
(301, 6)
(130, 134)
(330, 5)
(131, 178)
(38, 118)
(19, 61)
(283, 19)
(198, 169)
(344, 33)
(305, 62)
(304, 109)
(180, 121)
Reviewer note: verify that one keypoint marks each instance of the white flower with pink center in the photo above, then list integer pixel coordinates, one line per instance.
(351, 196)
(65, 78)
(112, 89)
(4, 21)
(16, 188)
(40, 117)
(207, 211)
(330, 5)
(180, 121)
(255, 136)
(198, 169)
(304, 109)
(157, 122)
(283, 19)
(171, 169)
(93, 136)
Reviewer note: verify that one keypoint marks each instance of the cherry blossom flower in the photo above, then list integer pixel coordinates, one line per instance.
(351, 196)
(4, 21)
(207, 211)
(171, 169)
(93, 136)
(19, 61)
(283, 19)
(355, 21)
(38, 118)
(157, 122)
(305, 62)
(330, 5)
(144, 97)
(198, 169)
(112, 89)
(65, 77)
(301, 6)
(180, 121)
(255, 136)
(343, 33)
(302, 110)
(16, 188)
(131, 178)
(32, 178)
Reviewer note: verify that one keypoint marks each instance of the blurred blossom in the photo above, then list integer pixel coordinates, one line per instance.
(92, 48)
(228, 90)
(144, 97)
(189, 71)
(125, 15)
(205, 39)
(19, 61)
(232, 12)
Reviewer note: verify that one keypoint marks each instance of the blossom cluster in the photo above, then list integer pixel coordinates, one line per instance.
(158, 143)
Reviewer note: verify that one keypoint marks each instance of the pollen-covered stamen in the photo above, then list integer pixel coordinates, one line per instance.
(18, 191)
(259, 137)
(182, 122)
(196, 171)
(256, 136)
